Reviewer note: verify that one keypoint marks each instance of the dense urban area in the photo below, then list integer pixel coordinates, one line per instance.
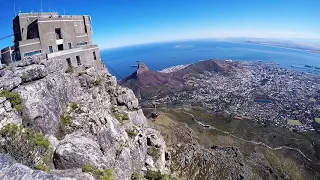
(255, 90)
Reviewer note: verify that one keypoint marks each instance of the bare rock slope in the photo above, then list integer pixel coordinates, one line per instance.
(87, 117)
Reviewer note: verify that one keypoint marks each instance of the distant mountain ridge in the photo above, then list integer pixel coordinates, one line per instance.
(148, 84)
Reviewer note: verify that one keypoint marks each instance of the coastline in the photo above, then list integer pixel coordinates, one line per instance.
(271, 45)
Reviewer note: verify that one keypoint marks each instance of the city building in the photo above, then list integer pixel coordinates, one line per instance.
(53, 36)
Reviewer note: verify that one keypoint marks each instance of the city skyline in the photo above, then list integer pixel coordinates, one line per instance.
(123, 23)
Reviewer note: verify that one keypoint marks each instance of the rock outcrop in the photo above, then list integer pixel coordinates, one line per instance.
(8, 114)
(87, 118)
(10, 169)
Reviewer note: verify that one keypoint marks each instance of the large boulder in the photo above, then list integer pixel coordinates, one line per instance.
(45, 99)
(126, 97)
(9, 80)
(32, 72)
(10, 169)
(77, 151)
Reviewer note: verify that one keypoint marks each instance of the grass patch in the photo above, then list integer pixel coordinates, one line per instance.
(131, 133)
(294, 122)
(318, 120)
(156, 175)
(13, 98)
(284, 166)
(42, 167)
(87, 168)
(121, 117)
(25, 145)
(69, 70)
(153, 152)
(137, 176)
(102, 174)
(65, 124)
(65, 119)
(125, 116)
(74, 106)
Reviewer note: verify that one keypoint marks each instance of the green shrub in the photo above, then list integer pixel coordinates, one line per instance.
(131, 133)
(64, 126)
(121, 117)
(137, 176)
(97, 82)
(69, 70)
(118, 117)
(19, 107)
(153, 152)
(156, 175)
(65, 119)
(74, 106)
(42, 167)
(125, 116)
(98, 172)
(87, 168)
(105, 174)
(13, 98)
(114, 108)
(25, 145)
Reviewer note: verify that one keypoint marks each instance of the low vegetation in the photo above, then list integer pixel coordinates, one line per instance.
(97, 82)
(42, 167)
(132, 132)
(87, 168)
(154, 152)
(157, 175)
(74, 106)
(26, 146)
(121, 117)
(65, 121)
(137, 176)
(13, 98)
(69, 70)
(284, 166)
(318, 120)
(102, 174)
(152, 175)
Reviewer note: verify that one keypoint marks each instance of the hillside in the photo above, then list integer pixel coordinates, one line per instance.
(148, 84)
(219, 108)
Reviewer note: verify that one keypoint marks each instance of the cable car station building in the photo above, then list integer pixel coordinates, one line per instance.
(52, 36)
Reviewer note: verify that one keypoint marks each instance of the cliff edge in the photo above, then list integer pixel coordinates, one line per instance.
(92, 124)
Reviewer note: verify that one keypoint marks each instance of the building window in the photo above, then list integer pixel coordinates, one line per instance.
(50, 49)
(81, 44)
(94, 55)
(60, 47)
(69, 62)
(58, 33)
(70, 45)
(32, 53)
(78, 60)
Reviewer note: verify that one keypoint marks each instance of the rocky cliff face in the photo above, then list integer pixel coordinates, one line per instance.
(87, 117)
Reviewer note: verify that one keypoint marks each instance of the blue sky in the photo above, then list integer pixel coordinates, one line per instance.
(126, 22)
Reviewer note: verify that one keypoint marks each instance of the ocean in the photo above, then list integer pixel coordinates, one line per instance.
(158, 56)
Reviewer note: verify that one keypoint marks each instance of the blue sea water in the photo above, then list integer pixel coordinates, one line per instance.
(158, 56)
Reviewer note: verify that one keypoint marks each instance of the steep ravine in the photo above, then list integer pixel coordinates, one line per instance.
(88, 119)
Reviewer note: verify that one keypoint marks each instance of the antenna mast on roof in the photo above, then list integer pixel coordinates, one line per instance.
(14, 9)
(41, 7)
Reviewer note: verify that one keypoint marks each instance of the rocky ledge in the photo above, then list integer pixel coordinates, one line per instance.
(90, 122)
